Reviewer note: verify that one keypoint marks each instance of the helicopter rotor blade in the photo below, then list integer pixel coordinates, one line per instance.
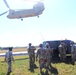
(33, 0)
(6, 3)
(3, 13)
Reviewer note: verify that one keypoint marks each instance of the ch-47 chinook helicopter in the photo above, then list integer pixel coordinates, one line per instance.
(37, 10)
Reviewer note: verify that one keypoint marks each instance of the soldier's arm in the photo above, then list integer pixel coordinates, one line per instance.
(37, 55)
(12, 57)
(34, 47)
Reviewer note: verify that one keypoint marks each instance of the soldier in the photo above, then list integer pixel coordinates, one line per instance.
(40, 54)
(9, 58)
(48, 56)
(73, 51)
(62, 50)
(31, 52)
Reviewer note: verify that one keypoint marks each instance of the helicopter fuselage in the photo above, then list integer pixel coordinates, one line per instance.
(24, 13)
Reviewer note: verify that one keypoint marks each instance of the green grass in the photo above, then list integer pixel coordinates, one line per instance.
(21, 67)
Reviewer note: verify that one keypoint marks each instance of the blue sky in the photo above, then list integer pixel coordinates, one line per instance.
(58, 21)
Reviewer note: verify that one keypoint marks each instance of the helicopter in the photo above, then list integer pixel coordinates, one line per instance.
(37, 10)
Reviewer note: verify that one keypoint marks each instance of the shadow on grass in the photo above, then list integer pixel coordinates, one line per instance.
(17, 59)
(21, 59)
(56, 60)
(35, 66)
(67, 61)
(8, 73)
(53, 71)
(32, 68)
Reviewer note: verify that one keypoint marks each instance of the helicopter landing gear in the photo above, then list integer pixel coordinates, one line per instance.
(38, 16)
(21, 19)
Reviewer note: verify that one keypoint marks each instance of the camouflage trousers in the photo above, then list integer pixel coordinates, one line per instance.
(63, 56)
(73, 56)
(31, 60)
(48, 63)
(10, 66)
(41, 63)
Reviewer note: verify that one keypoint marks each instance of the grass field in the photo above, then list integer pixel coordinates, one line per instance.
(21, 67)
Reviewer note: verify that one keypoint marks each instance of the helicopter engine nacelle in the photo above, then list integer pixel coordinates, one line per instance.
(39, 7)
(11, 13)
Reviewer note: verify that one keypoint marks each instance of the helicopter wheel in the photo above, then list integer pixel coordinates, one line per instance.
(38, 16)
(21, 19)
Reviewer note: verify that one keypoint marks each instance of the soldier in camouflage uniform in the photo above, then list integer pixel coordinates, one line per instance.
(31, 52)
(40, 54)
(48, 56)
(9, 58)
(62, 50)
(73, 52)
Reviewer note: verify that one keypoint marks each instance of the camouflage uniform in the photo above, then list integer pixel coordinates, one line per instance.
(31, 52)
(41, 53)
(9, 58)
(48, 56)
(73, 52)
(62, 50)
